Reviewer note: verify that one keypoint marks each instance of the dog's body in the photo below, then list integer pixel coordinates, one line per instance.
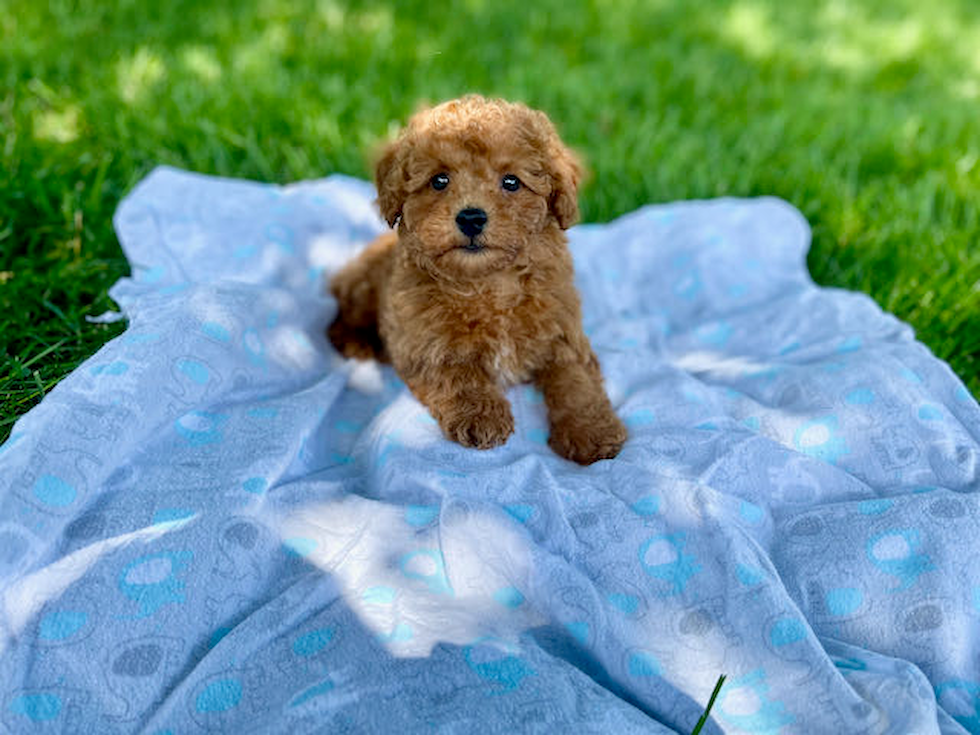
(475, 291)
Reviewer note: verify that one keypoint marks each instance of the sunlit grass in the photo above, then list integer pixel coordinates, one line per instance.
(863, 114)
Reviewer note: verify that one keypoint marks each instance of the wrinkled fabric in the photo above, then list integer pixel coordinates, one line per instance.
(217, 524)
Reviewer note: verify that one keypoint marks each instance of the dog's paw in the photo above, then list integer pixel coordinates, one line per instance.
(480, 423)
(588, 439)
(362, 343)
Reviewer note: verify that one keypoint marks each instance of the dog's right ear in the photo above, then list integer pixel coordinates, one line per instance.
(389, 176)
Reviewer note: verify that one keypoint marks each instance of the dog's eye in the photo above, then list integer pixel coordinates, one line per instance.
(440, 181)
(510, 182)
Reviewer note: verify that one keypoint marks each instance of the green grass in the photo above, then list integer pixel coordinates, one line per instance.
(711, 703)
(864, 114)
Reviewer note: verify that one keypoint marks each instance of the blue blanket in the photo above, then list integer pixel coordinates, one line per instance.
(217, 524)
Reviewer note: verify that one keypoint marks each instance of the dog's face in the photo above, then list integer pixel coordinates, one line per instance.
(473, 184)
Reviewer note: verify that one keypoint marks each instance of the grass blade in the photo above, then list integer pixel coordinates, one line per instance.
(711, 703)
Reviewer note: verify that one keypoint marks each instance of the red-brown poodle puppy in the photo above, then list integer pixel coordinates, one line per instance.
(474, 292)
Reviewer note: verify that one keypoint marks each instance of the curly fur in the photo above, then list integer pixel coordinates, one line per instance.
(460, 325)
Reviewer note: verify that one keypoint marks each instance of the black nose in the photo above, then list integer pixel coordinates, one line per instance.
(471, 221)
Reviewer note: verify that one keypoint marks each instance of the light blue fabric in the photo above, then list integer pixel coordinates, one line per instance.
(215, 524)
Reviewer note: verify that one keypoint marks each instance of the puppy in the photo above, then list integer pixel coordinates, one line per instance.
(474, 291)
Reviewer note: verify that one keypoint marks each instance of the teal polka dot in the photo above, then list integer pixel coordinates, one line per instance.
(579, 631)
(281, 235)
(518, 512)
(860, 397)
(54, 491)
(822, 439)
(399, 634)
(254, 485)
(509, 597)
(749, 576)
(930, 413)
(624, 603)
(716, 334)
(786, 631)
(194, 370)
(113, 368)
(844, 600)
(379, 595)
(312, 642)
(428, 566)
(874, 507)
(216, 331)
(220, 696)
(37, 707)
(691, 395)
(538, 436)
(643, 665)
(533, 395)
(750, 512)
(61, 625)
(299, 546)
(263, 412)
(151, 275)
(911, 376)
(199, 428)
(688, 286)
(421, 515)
(646, 506)
(640, 418)
(253, 345)
(499, 667)
(141, 339)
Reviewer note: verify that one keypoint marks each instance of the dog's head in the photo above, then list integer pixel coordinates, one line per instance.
(474, 183)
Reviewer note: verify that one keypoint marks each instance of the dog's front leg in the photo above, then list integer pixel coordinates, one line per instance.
(584, 427)
(471, 408)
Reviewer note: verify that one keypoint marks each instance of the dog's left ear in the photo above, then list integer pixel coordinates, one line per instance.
(566, 174)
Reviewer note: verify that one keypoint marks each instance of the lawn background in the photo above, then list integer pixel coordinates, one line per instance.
(863, 114)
